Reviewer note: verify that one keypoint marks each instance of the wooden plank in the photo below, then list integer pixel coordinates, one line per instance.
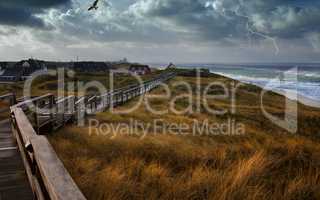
(24, 125)
(5, 135)
(4, 129)
(55, 177)
(8, 153)
(18, 192)
(13, 179)
(6, 142)
(25, 161)
(6, 139)
(11, 167)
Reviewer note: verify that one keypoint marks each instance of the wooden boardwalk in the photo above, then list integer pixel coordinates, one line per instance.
(13, 179)
(29, 166)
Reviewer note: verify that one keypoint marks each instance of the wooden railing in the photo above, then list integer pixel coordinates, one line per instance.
(31, 118)
(99, 103)
(46, 174)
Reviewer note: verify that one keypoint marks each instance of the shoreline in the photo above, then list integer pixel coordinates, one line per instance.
(287, 94)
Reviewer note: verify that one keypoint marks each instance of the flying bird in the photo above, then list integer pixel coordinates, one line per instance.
(94, 6)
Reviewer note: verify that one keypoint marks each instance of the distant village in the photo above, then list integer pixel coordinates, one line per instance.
(22, 70)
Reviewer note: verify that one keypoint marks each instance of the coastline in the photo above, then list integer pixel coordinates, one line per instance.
(287, 94)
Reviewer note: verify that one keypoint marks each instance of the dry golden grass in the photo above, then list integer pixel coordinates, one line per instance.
(265, 163)
(175, 167)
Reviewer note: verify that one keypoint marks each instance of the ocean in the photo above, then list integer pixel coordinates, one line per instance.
(298, 81)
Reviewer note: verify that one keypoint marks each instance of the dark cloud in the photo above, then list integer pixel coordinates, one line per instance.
(33, 3)
(205, 20)
(23, 12)
(291, 22)
(222, 19)
(197, 17)
(219, 22)
(19, 16)
(190, 25)
(107, 25)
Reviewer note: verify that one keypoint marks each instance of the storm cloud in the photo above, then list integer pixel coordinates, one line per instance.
(198, 26)
(224, 18)
(24, 12)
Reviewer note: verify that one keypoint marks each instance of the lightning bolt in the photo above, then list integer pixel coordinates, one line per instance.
(250, 30)
(253, 32)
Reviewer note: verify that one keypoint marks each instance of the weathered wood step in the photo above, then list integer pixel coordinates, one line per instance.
(18, 192)
(5, 135)
(13, 179)
(6, 142)
(5, 130)
(8, 153)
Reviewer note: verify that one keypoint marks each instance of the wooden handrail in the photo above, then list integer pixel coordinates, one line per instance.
(29, 101)
(46, 173)
(23, 126)
(61, 100)
(79, 100)
(55, 177)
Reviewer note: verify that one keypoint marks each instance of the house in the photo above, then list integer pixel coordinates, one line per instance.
(171, 66)
(57, 65)
(28, 67)
(139, 69)
(21, 70)
(3, 67)
(91, 67)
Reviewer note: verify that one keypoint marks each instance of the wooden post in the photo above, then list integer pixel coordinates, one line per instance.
(63, 111)
(91, 106)
(94, 104)
(52, 108)
(85, 102)
(102, 102)
(75, 110)
(35, 115)
(95, 100)
(106, 99)
(74, 105)
(14, 99)
(117, 99)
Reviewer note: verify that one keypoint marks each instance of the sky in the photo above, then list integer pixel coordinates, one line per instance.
(161, 31)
